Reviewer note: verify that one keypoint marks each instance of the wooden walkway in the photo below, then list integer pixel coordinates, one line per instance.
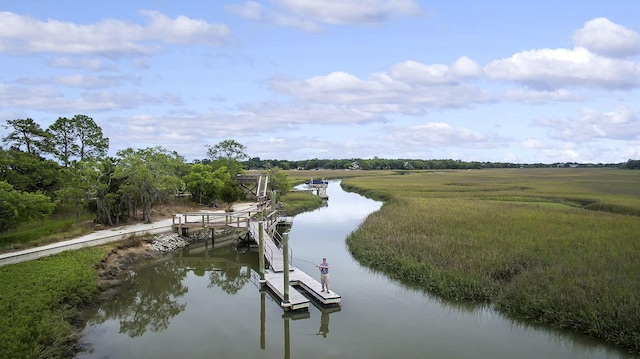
(204, 220)
(275, 277)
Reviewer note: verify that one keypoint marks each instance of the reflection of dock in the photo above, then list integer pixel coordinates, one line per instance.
(277, 275)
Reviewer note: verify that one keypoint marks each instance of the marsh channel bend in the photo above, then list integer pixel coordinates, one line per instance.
(202, 302)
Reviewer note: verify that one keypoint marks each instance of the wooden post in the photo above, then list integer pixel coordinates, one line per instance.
(285, 251)
(261, 251)
(179, 222)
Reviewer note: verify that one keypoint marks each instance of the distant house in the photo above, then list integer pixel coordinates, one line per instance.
(570, 165)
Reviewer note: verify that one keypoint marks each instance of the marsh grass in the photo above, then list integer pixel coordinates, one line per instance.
(555, 246)
(40, 299)
(298, 202)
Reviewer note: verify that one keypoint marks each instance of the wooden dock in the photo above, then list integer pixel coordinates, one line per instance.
(301, 287)
(183, 222)
(274, 277)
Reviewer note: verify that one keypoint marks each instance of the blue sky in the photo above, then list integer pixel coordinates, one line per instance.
(500, 81)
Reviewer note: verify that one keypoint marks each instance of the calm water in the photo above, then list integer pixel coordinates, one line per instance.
(203, 303)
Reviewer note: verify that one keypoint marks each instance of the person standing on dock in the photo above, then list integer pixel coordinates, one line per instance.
(324, 274)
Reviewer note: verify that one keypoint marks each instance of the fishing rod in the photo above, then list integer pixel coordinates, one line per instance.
(304, 260)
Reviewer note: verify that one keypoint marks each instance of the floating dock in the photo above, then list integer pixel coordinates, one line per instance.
(274, 277)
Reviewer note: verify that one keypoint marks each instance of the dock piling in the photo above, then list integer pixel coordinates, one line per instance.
(285, 250)
(261, 251)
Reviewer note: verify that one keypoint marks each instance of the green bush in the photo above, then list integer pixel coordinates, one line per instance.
(39, 299)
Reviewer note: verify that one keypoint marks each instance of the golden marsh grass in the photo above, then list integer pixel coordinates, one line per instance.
(558, 246)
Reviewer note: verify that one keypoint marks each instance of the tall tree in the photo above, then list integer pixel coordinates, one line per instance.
(63, 140)
(149, 176)
(91, 141)
(79, 137)
(103, 189)
(27, 133)
(228, 153)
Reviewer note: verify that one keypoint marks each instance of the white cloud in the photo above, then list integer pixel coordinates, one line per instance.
(538, 96)
(269, 116)
(621, 124)
(309, 15)
(631, 151)
(77, 80)
(339, 12)
(604, 37)
(24, 35)
(53, 100)
(558, 68)
(533, 143)
(88, 82)
(86, 63)
(184, 30)
(410, 88)
(250, 10)
(435, 134)
(413, 72)
(465, 67)
(560, 155)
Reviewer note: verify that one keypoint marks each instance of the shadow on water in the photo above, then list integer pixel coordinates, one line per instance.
(204, 301)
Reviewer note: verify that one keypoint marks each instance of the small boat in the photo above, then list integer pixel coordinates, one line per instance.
(316, 181)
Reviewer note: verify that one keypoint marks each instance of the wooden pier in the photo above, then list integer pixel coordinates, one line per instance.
(301, 288)
(275, 276)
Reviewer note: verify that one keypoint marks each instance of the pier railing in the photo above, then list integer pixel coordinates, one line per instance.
(238, 219)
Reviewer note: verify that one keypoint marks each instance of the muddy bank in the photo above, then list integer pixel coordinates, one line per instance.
(128, 253)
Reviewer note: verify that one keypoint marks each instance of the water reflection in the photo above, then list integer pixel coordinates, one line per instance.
(324, 325)
(149, 296)
(227, 268)
(149, 300)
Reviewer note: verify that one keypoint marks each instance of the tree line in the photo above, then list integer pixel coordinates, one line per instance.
(65, 168)
(410, 164)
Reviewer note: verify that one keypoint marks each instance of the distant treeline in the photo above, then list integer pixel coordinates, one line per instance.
(256, 163)
(633, 165)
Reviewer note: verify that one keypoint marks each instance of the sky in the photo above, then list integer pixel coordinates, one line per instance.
(491, 81)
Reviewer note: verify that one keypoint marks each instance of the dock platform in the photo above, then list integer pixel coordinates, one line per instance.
(274, 277)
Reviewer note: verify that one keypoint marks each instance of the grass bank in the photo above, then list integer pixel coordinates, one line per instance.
(298, 202)
(39, 233)
(39, 303)
(556, 246)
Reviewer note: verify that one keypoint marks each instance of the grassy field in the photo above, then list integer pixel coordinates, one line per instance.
(556, 246)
